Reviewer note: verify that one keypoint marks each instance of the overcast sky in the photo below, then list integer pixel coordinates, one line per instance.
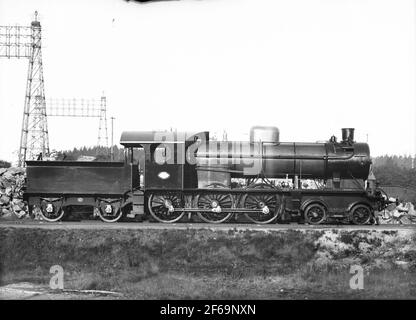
(308, 67)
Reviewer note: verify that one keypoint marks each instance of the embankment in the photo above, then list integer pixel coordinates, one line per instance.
(215, 264)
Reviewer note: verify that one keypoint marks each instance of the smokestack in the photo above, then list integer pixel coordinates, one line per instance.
(347, 134)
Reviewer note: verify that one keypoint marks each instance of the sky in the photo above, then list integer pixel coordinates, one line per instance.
(308, 67)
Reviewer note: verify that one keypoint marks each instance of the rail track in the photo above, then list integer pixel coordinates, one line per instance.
(86, 225)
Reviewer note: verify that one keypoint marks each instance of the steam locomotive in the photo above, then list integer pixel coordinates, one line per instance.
(182, 176)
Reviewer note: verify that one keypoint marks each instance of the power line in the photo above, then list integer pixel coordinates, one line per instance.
(82, 108)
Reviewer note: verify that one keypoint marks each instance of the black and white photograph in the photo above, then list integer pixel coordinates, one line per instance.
(208, 155)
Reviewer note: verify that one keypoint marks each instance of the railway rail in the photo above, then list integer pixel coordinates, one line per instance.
(184, 226)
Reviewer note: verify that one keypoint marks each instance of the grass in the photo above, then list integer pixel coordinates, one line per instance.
(201, 264)
(377, 285)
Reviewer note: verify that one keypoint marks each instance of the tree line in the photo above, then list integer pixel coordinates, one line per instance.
(395, 171)
(389, 170)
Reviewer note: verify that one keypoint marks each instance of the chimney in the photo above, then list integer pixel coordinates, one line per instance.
(347, 135)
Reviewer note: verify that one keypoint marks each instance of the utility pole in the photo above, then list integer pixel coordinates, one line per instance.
(112, 143)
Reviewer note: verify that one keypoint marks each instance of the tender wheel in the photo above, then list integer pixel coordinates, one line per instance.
(166, 207)
(51, 211)
(360, 214)
(315, 214)
(110, 211)
(215, 202)
(268, 203)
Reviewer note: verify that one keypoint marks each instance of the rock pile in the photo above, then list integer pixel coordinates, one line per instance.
(371, 249)
(12, 181)
(404, 213)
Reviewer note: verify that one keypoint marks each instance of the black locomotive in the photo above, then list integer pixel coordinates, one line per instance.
(181, 176)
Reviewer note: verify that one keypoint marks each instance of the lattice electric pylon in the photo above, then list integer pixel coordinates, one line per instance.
(103, 132)
(86, 108)
(25, 42)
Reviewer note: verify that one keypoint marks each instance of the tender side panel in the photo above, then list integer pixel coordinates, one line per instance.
(78, 179)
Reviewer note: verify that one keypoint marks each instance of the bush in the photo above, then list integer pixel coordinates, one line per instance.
(394, 171)
(5, 164)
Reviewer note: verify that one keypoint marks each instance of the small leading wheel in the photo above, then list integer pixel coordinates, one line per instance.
(214, 203)
(167, 207)
(110, 211)
(360, 214)
(267, 203)
(315, 213)
(51, 211)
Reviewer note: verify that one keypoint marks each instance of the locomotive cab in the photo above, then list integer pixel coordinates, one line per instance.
(164, 165)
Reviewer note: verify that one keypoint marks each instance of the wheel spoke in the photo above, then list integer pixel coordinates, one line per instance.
(206, 201)
(221, 197)
(158, 200)
(226, 204)
(251, 201)
(269, 199)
